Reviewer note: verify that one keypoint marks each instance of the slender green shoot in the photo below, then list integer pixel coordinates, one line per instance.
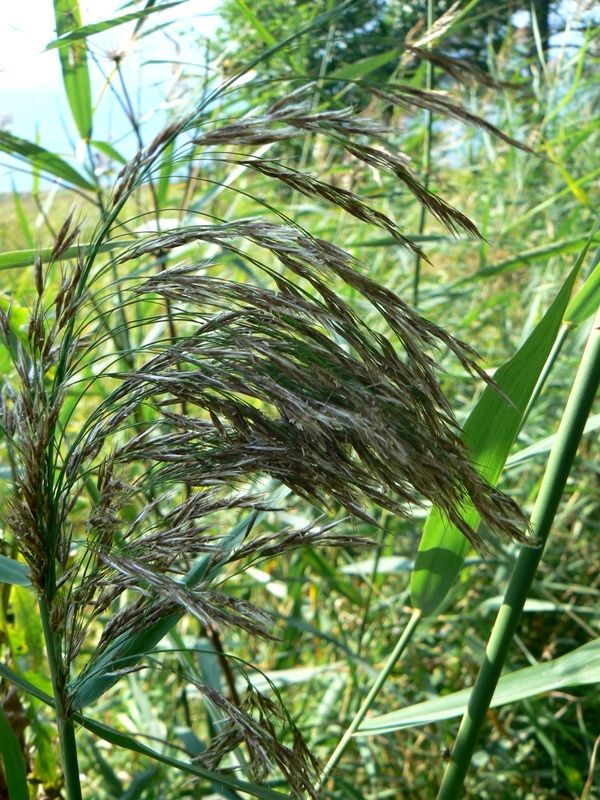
(378, 683)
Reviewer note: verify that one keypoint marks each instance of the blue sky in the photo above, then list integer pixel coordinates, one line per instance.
(32, 101)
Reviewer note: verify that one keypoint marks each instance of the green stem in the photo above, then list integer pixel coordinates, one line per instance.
(66, 731)
(373, 692)
(557, 471)
(426, 157)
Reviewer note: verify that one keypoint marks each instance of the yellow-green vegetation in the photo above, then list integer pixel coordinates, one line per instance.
(298, 436)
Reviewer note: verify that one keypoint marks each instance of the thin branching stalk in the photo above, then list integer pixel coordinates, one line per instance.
(378, 683)
(557, 471)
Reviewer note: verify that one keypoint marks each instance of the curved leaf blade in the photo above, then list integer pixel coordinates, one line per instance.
(13, 572)
(69, 36)
(14, 766)
(587, 300)
(489, 433)
(38, 158)
(15, 259)
(577, 668)
(128, 742)
(74, 65)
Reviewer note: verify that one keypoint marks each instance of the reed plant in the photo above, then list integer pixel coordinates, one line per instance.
(196, 369)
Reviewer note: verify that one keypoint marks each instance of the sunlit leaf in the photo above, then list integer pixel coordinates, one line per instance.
(38, 158)
(83, 31)
(489, 433)
(586, 301)
(74, 65)
(360, 69)
(578, 668)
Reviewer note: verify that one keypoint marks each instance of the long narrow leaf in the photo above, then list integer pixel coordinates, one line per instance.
(255, 22)
(13, 572)
(74, 65)
(536, 254)
(15, 259)
(83, 31)
(128, 742)
(127, 650)
(577, 668)
(38, 158)
(587, 299)
(124, 740)
(489, 433)
(12, 756)
(360, 69)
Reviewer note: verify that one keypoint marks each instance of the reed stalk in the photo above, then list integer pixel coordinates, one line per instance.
(65, 729)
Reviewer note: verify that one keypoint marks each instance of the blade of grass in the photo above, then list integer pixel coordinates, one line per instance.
(379, 681)
(553, 483)
(580, 667)
(426, 165)
(38, 158)
(536, 254)
(13, 572)
(73, 62)
(22, 218)
(12, 756)
(68, 36)
(260, 30)
(587, 299)
(489, 432)
(358, 70)
(126, 651)
(127, 741)
(15, 259)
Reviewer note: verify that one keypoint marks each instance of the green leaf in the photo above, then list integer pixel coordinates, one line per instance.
(543, 446)
(254, 21)
(140, 783)
(127, 650)
(489, 433)
(128, 742)
(15, 259)
(13, 572)
(14, 766)
(108, 150)
(38, 158)
(83, 31)
(586, 301)
(577, 668)
(364, 66)
(167, 166)
(74, 65)
(111, 782)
